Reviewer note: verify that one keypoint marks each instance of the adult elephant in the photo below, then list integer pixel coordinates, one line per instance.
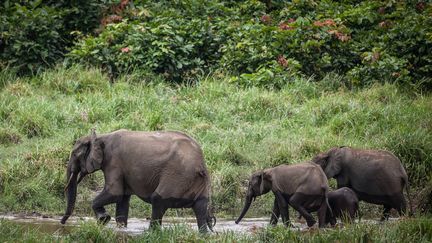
(376, 176)
(303, 186)
(165, 169)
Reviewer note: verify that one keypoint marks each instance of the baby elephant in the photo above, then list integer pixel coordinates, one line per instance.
(303, 186)
(344, 204)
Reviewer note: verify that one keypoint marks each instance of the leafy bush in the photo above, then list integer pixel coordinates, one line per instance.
(35, 34)
(31, 36)
(364, 41)
(159, 39)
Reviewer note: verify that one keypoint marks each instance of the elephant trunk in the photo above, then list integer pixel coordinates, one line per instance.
(71, 193)
(248, 202)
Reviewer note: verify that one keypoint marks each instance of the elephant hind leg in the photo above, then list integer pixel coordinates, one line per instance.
(200, 209)
(400, 204)
(275, 213)
(296, 201)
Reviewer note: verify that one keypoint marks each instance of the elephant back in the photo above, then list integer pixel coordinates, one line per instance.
(306, 178)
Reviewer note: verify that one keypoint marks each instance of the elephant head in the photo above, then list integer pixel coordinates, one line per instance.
(330, 162)
(259, 184)
(86, 157)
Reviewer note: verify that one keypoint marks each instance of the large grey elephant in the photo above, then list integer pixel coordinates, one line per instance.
(303, 186)
(376, 176)
(165, 169)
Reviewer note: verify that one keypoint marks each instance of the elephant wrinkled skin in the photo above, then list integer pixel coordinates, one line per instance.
(165, 169)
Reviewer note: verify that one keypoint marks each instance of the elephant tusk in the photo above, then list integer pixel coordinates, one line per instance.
(81, 176)
(69, 181)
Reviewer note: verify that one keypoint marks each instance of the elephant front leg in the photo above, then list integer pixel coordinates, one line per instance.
(386, 213)
(283, 208)
(122, 211)
(100, 201)
(275, 213)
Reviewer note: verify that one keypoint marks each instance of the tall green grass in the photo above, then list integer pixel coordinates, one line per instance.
(408, 230)
(240, 129)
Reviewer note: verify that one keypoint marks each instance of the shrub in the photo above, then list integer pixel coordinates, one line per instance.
(31, 36)
(160, 40)
(36, 34)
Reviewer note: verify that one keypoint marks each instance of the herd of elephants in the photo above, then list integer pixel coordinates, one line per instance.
(167, 169)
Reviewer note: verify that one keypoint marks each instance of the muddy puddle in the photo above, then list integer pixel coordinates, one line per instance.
(137, 226)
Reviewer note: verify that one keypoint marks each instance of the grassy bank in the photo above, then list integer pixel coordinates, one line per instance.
(240, 129)
(408, 230)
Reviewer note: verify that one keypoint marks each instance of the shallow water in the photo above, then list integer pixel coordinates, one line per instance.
(137, 226)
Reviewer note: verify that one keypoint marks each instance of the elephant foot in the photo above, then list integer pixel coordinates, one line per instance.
(310, 222)
(103, 218)
(384, 218)
(289, 224)
(121, 222)
(333, 222)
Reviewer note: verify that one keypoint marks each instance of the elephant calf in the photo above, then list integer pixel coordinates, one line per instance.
(344, 204)
(303, 186)
(165, 169)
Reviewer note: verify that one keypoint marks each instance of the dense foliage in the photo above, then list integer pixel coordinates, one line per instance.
(264, 43)
(35, 34)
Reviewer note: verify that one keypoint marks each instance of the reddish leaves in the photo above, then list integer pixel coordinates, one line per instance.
(125, 50)
(327, 22)
(282, 61)
(266, 19)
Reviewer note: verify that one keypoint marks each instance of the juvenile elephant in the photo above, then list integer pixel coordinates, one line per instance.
(165, 169)
(376, 176)
(344, 204)
(303, 186)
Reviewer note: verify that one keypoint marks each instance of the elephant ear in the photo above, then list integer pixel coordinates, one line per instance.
(261, 180)
(265, 181)
(95, 157)
(330, 162)
(322, 159)
(334, 162)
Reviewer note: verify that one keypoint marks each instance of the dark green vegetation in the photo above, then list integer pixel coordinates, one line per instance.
(408, 230)
(364, 41)
(257, 85)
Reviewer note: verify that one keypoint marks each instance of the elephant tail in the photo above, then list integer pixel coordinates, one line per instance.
(211, 219)
(329, 208)
(407, 188)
